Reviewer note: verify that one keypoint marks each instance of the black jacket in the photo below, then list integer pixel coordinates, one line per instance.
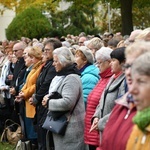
(18, 74)
(42, 86)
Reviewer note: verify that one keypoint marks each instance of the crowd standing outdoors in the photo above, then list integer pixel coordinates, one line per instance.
(105, 77)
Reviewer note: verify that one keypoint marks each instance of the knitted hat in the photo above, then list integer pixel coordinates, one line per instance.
(87, 53)
(118, 54)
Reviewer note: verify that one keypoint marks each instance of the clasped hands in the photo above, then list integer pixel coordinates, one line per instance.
(45, 99)
(94, 125)
(19, 97)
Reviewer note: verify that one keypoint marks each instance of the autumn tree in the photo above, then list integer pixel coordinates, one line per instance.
(83, 15)
(29, 23)
(20, 5)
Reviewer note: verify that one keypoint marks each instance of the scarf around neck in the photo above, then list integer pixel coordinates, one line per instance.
(56, 82)
(142, 119)
(71, 69)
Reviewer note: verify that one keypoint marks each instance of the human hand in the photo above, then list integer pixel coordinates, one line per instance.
(94, 125)
(21, 94)
(31, 101)
(45, 99)
(18, 99)
(3, 88)
(10, 77)
(12, 91)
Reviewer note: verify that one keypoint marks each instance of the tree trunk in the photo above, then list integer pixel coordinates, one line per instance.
(126, 13)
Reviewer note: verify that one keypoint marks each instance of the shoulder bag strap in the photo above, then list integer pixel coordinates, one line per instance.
(73, 108)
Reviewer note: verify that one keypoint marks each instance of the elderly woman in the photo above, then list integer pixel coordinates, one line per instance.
(95, 44)
(114, 89)
(120, 121)
(89, 72)
(140, 89)
(103, 60)
(68, 84)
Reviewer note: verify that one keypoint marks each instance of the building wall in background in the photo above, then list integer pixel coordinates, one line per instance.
(5, 20)
(8, 16)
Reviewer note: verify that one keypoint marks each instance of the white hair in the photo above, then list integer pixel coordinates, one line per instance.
(64, 55)
(103, 53)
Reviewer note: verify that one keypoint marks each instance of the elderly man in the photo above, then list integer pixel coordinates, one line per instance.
(18, 74)
(82, 39)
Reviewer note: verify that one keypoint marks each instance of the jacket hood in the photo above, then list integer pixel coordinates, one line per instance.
(91, 69)
(122, 100)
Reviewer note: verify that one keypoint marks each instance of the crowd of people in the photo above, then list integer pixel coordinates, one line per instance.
(105, 77)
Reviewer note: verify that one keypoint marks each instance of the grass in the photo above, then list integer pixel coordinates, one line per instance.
(6, 146)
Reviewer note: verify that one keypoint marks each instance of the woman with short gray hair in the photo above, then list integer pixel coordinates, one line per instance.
(64, 55)
(103, 60)
(68, 84)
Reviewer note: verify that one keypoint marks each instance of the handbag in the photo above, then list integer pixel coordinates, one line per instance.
(23, 145)
(2, 102)
(59, 125)
(12, 132)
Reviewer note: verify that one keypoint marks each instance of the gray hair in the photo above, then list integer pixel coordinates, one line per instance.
(64, 55)
(142, 65)
(137, 48)
(103, 53)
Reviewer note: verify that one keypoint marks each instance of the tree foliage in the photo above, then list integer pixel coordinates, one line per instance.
(30, 23)
(20, 5)
(80, 17)
(89, 16)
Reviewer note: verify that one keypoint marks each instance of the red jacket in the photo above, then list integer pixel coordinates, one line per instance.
(92, 102)
(118, 127)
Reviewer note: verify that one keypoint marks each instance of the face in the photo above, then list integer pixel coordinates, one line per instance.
(140, 90)
(44, 57)
(25, 53)
(28, 61)
(14, 59)
(18, 52)
(56, 64)
(48, 50)
(79, 60)
(34, 60)
(116, 67)
(92, 49)
(9, 56)
(129, 60)
(103, 65)
(81, 41)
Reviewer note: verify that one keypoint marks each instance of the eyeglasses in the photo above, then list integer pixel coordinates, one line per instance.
(80, 42)
(99, 63)
(47, 50)
(16, 50)
(127, 66)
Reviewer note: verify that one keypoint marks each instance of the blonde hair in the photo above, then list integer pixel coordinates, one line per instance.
(138, 48)
(96, 43)
(35, 52)
(121, 44)
(143, 35)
